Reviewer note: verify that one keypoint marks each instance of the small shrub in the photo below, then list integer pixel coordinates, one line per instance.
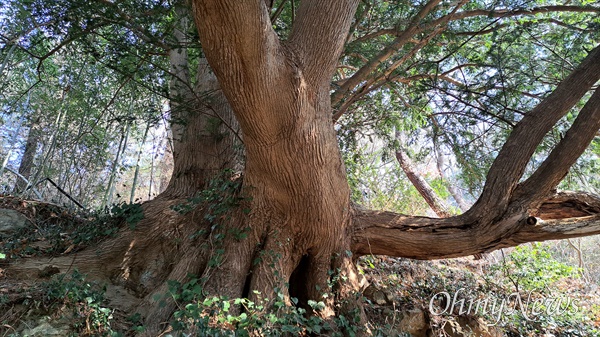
(219, 316)
(89, 316)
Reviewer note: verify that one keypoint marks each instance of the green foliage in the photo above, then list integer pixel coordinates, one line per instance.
(108, 223)
(376, 181)
(130, 213)
(220, 198)
(545, 301)
(87, 69)
(451, 290)
(78, 75)
(462, 93)
(219, 316)
(84, 299)
(221, 195)
(532, 268)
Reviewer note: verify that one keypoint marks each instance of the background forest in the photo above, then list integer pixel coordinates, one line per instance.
(88, 97)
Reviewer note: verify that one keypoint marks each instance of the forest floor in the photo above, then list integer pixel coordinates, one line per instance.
(519, 292)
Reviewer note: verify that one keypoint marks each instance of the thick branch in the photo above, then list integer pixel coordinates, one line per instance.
(509, 165)
(566, 153)
(568, 205)
(318, 36)
(501, 218)
(242, 27)
(559, 229)
(249, 61)
(238, 41)
(387, 233)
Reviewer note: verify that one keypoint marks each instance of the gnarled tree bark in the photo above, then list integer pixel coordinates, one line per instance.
(300, 206)
(279, 99)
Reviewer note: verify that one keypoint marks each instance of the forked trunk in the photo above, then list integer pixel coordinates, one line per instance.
(298, 198)
(298, 195)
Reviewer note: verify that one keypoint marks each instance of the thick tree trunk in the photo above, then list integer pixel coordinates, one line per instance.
(206, 138)
(168, 244)
(299, 196)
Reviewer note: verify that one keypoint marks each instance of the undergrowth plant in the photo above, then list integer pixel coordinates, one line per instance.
(540, 291)
(82, 302)
(219, 316)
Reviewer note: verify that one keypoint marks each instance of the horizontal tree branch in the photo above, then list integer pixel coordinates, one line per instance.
(393, 234)
(569, 205)
(558, 229)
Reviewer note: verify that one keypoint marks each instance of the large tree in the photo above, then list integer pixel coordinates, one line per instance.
(290, 221)
(300, 206)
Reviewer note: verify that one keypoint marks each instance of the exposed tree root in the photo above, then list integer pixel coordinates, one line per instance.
(259, 265)
(165, 247)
